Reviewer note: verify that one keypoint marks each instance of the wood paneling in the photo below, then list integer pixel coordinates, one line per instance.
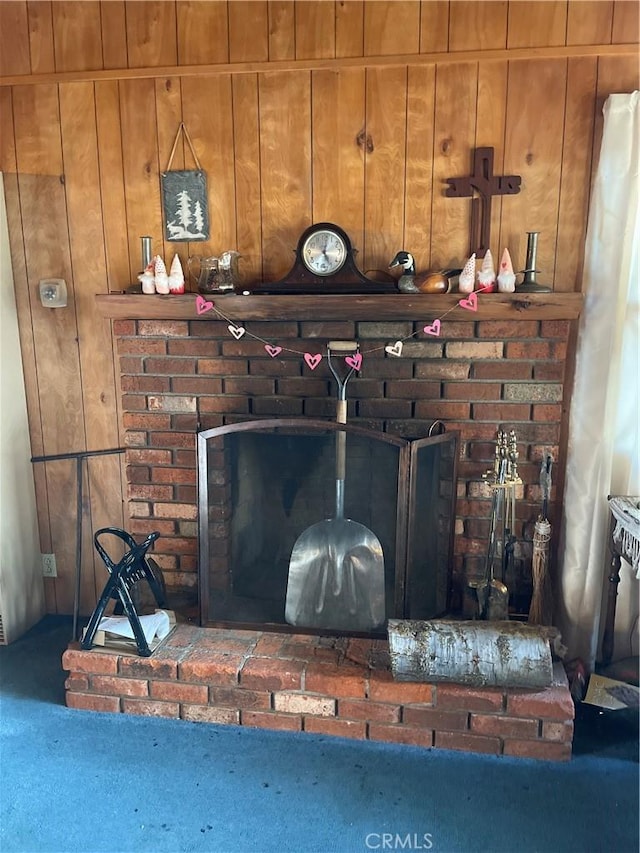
(41, 36)
(455, 123)
(27, 341)
(114, 34)
(533, 24)
(282, 29)
(248, 31)
(386, 119)
(350, 28)
(369, 147)
(113, 204)
(490, 131)
(77, 35)
(589, 22)
(285, 166)
(46, 240)
(247, 175)
(203, 32)
(626, 22)
(169, 114)
(140, 166)
(475, 25)
(391, 26)
(14, 39)
(419, 167)
(339, 149)
(151, 33)
(207, 112)
(533, 149)
(315, 30)
(576, 173)
(434, 26)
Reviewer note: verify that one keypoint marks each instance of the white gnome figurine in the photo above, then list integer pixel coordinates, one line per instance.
(487, 274)
(161, 277)
(467, 278)
(506, 276)
(147, 279)
(176, 276)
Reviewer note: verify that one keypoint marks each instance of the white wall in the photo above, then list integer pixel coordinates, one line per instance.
(21, 585)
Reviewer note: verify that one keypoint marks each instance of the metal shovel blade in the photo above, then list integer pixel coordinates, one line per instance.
(336, 578)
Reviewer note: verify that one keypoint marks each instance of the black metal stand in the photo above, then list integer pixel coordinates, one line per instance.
(80, 456)
(122, 575)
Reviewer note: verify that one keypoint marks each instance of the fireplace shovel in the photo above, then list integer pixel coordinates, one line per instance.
(336, 570)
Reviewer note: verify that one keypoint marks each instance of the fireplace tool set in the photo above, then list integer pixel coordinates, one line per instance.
(336, 570)
(491, 592)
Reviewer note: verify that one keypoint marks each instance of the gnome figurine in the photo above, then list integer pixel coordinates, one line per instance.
(147, 279)
(487, 274)
(176, 276)
(506, 276)
(161, 279)
(467, 278)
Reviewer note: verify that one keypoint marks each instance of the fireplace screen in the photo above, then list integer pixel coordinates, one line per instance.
(269, 494)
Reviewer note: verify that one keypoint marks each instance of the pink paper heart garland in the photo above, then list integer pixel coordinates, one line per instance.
(470, 303)
(433, 329)
(354, 361)
(312, 360)
(203, 305)
(273, 351)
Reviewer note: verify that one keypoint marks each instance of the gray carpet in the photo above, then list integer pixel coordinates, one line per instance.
(84, 781)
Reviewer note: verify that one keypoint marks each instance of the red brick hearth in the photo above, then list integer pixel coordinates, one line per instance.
(338, 687)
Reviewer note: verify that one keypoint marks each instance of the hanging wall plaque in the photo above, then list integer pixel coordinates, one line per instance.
(185, 202)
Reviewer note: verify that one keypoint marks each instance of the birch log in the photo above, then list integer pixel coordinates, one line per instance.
(496, 654)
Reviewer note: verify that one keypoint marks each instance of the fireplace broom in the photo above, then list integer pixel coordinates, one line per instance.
(541, 609)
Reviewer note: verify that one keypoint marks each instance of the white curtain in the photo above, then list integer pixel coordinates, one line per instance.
(603, 430)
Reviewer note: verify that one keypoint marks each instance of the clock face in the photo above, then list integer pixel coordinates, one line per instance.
(324, 252)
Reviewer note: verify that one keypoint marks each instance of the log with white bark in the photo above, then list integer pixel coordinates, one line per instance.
(487, 654)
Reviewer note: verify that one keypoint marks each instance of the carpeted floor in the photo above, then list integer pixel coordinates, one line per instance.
(83, 781)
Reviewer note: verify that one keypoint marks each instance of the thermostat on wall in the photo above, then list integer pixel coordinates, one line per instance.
(53, 292)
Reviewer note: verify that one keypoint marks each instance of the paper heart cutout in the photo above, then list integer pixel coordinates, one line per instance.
(273, 351)
(394, 349)
(433, 329)
(470, 303)
(236, 331)
(312, 360)
(354, 361)
(203, 305)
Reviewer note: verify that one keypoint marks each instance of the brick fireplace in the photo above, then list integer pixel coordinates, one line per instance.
(179, 376)
(503, 368)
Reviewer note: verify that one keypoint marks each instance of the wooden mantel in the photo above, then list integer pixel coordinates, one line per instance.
(493, 306)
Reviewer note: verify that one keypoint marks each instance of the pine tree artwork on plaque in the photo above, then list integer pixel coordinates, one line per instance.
(185, 202)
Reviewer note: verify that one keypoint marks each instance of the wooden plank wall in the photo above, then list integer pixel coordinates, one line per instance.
(326, 134)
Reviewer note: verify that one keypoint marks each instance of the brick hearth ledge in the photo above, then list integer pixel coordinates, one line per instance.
(341, 687)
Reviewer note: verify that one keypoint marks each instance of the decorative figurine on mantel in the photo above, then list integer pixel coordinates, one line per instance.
(506, 277)
(432, 281)
(467, 278)
(487, 274)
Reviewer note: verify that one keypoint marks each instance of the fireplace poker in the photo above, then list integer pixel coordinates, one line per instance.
(493, 596)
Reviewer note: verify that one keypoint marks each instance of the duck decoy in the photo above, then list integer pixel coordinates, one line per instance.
(432, 281)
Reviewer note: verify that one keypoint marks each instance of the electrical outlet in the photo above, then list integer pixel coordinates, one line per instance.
(49, 566)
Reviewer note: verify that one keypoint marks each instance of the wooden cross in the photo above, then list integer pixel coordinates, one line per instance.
(486, 184)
